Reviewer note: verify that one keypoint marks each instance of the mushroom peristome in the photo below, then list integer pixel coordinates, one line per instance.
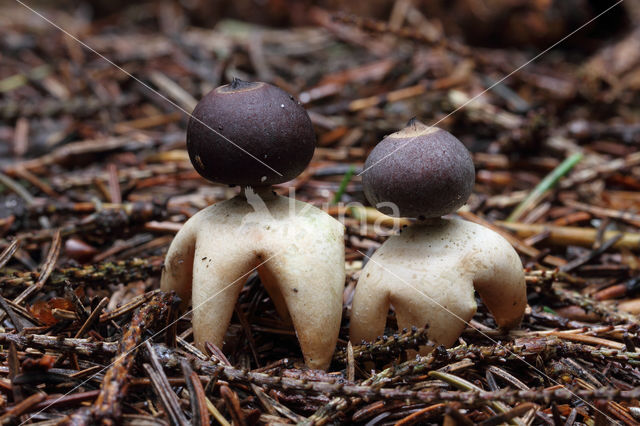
(429, 271)
(297, 249)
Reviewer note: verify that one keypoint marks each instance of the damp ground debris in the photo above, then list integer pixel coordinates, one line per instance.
(95, 180)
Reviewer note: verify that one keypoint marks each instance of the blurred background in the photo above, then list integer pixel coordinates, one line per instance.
(477, 22)
(332, 54)
(362, 70)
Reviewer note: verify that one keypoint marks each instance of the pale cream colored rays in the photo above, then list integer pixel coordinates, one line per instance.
(297, 249)
(429, 273)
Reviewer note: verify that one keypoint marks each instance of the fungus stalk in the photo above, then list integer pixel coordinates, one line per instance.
(297, 249)
(429, 271)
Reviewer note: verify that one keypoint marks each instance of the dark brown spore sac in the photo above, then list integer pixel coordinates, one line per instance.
(426, 173)
(265, 123)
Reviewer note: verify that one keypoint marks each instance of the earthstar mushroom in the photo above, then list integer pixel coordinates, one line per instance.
(297, 249)
(429, 271)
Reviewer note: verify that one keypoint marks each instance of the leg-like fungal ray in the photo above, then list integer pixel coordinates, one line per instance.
(177, 273)
(298, 251)
(428, 274)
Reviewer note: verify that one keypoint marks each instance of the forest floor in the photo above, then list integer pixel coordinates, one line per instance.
(95, 181)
